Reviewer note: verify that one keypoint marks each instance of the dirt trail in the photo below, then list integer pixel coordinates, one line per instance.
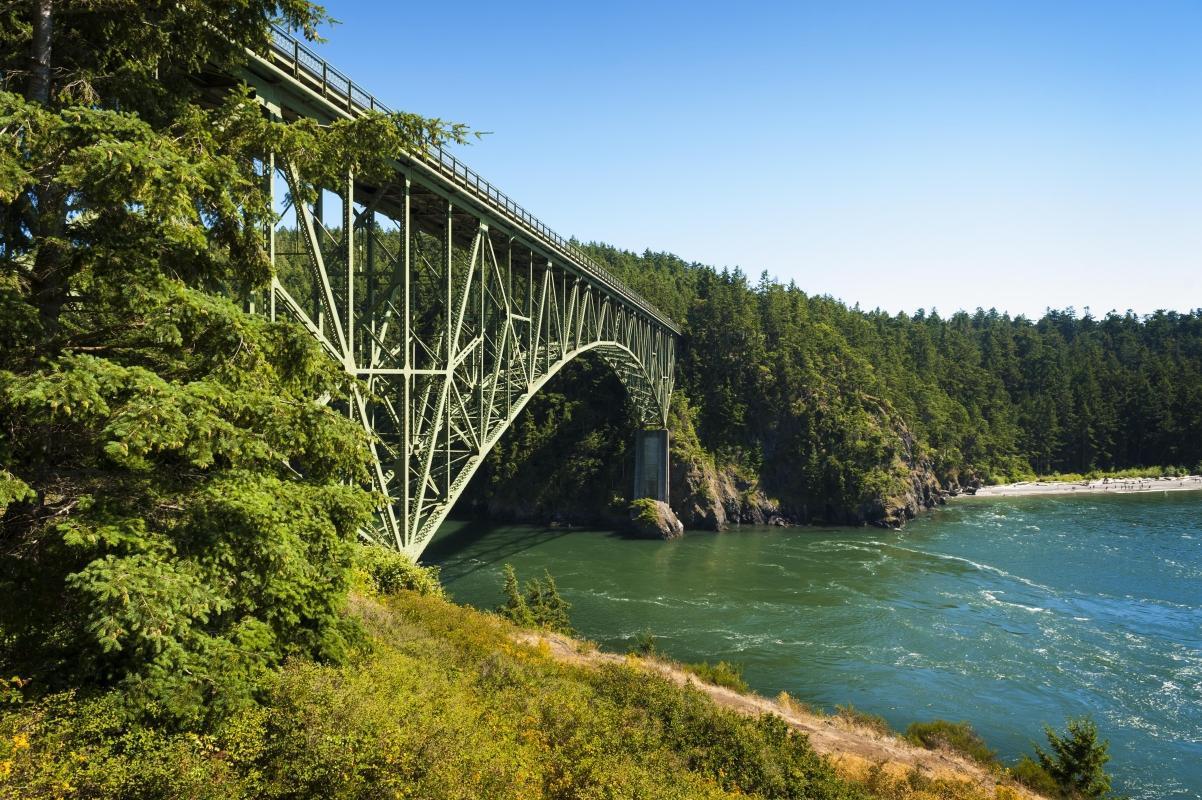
(853, 749)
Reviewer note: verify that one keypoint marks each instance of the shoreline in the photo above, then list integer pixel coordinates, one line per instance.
(1102, 486)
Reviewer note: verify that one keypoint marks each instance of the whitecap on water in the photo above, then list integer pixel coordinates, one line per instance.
(978, 565)
(991, 596)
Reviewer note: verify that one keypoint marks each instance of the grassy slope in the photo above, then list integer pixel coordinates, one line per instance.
(445, 704)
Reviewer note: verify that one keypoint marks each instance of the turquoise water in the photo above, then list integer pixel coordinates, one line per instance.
(1010, 613)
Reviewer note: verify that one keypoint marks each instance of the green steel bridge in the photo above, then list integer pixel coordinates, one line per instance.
(451, 303)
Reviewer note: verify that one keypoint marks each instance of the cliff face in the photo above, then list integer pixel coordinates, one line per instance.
(916, 488)
(707, 496)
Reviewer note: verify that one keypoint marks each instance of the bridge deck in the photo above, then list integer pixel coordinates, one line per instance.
(289, 60)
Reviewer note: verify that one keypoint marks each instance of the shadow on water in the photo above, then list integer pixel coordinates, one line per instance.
(505, 542)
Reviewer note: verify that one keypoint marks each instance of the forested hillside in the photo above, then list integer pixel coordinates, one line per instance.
(819, 411)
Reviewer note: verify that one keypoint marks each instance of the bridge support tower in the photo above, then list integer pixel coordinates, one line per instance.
(651, 465)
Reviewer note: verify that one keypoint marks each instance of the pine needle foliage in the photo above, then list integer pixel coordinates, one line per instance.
(538, 606)
(391, 572)
(178, 503)
(1076, 760)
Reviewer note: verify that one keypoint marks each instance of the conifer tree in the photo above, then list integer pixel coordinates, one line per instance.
(177, 503)
(549, 609)
(515, 609)
(1077, 760)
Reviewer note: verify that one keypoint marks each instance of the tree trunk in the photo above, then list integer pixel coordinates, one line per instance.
(49, 278)
(39, 74)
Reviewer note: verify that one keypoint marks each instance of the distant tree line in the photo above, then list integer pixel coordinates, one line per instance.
(985, 391)
(820, 400)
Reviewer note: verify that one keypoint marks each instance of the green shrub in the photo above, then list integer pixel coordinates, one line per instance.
(761, 757)
(1131, 473)
(1076, 760)
(645, 644)
(873, 722)
(1028, 772)
(1066, 477)
(721, 674)
(644, 510)
(64, 746)
(541, 606)
(957, 736)
(391, 572)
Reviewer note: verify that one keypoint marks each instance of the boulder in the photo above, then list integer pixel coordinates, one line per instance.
(653, 519)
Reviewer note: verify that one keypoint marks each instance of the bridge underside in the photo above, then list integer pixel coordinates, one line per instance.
(451, 321)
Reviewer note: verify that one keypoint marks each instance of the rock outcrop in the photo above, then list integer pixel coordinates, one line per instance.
(708, 497)
(712, 497)
(653, 519)
(918, 490)
(917, 486)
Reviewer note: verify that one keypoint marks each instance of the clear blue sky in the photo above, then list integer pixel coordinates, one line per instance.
(902, 155)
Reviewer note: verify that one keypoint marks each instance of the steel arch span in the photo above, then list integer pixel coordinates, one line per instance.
(451, 332)
(451, 304)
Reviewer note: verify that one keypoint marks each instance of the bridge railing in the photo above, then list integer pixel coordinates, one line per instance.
(337, 88)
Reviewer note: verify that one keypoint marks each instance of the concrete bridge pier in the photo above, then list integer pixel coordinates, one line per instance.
(651, 465)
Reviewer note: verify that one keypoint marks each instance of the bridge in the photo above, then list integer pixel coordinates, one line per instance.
(449, 302)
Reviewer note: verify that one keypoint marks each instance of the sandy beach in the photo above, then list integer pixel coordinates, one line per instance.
(1103, 486)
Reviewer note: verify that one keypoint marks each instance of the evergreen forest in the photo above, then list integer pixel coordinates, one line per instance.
(827, 408)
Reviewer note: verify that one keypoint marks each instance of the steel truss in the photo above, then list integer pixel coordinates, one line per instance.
(452, 324)
(449, 302)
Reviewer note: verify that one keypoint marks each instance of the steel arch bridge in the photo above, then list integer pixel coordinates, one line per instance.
(450, 303)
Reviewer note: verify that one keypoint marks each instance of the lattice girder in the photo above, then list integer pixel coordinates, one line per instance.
(452, 323)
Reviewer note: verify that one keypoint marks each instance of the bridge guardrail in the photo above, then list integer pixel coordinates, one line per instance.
(339, 89)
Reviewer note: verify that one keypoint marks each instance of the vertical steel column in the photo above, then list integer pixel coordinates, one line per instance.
(529, 317)
(407, 374)
(450, 348)
(509, 311)
(318, 214)
(369, 281)
(481, 263)
(348, 242)
(544, 312)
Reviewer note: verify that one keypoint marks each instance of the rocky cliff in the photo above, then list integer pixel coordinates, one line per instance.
(708, 496)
